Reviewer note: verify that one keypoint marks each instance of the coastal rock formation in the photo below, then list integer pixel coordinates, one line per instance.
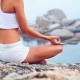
(55, 22)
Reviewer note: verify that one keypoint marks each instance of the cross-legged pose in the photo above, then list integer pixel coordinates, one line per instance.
(12, 18)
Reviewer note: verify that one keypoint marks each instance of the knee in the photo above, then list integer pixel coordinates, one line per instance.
(60, 49)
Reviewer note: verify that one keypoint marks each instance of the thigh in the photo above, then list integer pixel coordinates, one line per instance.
(43, 52)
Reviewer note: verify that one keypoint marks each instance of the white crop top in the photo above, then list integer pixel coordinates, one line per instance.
(8, 20)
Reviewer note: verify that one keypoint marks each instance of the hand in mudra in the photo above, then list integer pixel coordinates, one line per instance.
(55, 40)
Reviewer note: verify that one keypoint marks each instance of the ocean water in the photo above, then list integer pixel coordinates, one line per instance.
(70, 54)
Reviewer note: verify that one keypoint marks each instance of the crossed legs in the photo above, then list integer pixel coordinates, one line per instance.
(39, 53)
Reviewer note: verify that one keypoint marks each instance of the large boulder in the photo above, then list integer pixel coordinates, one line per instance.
(52, 18)
(50, 29)
(68, 22)
(54, 26)
(77, 24)
(42, 22)
(71, 28)
(62, 32)
(73, 40)
(55, 15)
(77, 35)
(74, 29)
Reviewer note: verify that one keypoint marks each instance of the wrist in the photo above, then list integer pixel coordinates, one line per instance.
(47, 38)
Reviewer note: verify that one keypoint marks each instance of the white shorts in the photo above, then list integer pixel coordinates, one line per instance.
(13, 52)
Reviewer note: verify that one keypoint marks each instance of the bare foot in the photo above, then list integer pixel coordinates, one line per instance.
(40, 62)
(43, 62)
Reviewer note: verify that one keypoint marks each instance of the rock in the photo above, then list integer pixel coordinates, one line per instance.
(62, 33)
(71, 41)
(51, 28)
(59, 14)
(11, 76)
(77, 35)
(51, 18)
(54, 26)
(46, 75)
(71, 28)
(49, 75)
(68, 22)
(55, 15)
(77, 24)
(51, 71)
(42, 22)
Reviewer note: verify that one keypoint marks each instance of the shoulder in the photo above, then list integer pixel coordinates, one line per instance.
(18, 1)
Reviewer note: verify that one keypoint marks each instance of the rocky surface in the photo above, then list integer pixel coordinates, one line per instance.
(26, 71)
(55, 22)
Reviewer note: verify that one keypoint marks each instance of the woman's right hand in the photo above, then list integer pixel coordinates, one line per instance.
(55, 40)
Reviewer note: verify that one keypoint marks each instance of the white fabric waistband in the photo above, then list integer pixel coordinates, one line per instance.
(10, 45)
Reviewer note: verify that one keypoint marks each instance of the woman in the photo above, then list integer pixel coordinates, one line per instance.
(12, 17)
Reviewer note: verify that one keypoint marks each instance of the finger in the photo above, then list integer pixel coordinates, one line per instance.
(56, 37)
(56, 42)
(59, 39)
(62, 43)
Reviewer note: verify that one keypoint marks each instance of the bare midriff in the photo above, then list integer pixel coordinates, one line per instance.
(8, 36)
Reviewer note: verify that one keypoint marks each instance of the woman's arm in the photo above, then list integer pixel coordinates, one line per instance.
(19, 9)
(21, 18)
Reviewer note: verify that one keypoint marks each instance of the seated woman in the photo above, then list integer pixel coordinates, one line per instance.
(12, 17)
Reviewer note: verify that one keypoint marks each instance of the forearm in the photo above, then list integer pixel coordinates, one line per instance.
(32, 32)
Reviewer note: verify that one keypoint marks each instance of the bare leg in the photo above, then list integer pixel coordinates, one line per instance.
(40, 53)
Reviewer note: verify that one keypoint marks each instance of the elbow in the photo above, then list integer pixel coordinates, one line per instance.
(25, 31)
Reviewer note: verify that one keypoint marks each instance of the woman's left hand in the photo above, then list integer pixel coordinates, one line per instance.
(55, 40)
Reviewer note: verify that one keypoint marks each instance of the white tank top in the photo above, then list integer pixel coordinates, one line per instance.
(8, 20)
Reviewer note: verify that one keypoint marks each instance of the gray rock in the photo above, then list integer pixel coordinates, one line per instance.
(62, 33)
(68, 22)
(77, 35)
(26, 71)
(59, 14)
(54, 26)
(55, 16)
(11, 76)
(71, 28)
(46, 75)
(74, 29)
(77, 24)
(72, 41)
(42, 22)
(52, 18)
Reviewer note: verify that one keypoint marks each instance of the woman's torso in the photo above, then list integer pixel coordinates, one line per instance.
(8, 35)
